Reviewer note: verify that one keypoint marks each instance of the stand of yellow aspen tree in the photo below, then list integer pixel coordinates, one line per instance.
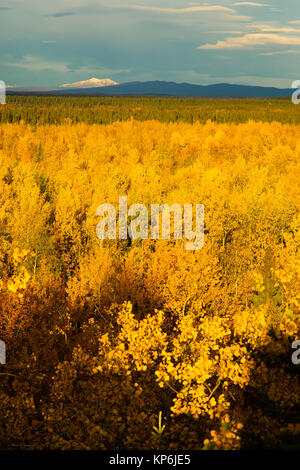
(103, 336)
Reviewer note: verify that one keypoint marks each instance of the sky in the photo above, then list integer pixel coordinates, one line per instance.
(49, 43)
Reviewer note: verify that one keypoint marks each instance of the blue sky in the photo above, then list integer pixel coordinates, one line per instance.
(53, 42)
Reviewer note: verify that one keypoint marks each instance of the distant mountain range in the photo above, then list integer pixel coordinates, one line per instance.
(104, 87)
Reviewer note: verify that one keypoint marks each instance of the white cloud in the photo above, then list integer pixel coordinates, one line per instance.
(251, 4)
(36, 64)
(290, 51)
(255, 80)
(294, 22)
(264, 28)
(49, 42)
(224, 32)
(238, 17)
(252, 40)
(90, 69)
(223, 57)
(193, 9)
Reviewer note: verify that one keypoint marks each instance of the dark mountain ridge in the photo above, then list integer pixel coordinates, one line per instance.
(161, 88)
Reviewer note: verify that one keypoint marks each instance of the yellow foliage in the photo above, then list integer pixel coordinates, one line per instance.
(102, 336)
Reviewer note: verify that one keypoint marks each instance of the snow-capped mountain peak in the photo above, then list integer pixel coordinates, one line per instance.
(91, 83)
